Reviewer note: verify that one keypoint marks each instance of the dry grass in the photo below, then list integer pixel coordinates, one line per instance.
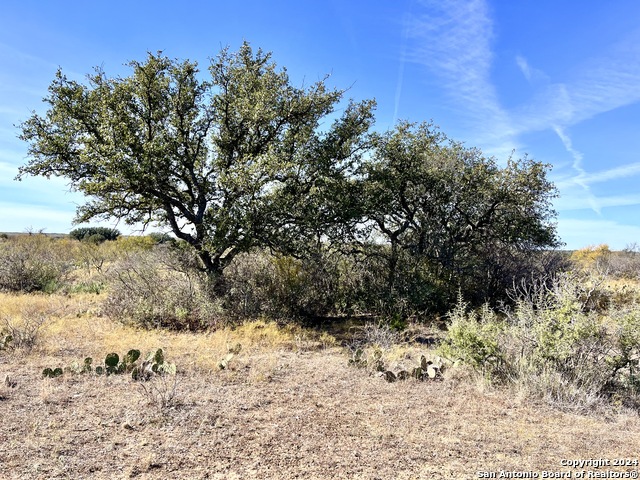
(288, 406)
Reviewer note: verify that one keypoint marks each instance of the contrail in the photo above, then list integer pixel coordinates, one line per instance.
(577, 166)
(403, 60)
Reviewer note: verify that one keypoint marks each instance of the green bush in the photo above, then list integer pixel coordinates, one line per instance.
(552, 345)
(93, 234)
(473, 338)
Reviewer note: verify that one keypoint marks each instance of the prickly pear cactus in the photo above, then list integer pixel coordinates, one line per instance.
(86, 366)
(131, 357)
(427, 370)
(356, 359)
(52, 373)
(154, 365)
(158, 357)
(390, 377)
(111, 362)
(423, 363)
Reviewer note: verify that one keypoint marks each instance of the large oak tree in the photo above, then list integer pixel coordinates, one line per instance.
(225, 161)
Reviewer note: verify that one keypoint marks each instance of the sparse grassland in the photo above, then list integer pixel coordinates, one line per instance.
(288, 405)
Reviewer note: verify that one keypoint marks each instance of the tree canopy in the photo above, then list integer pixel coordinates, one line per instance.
(453, 209)
(242, 159)
(221, 161)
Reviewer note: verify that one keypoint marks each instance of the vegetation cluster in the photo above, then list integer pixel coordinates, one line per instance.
(269, 210)
(285, 213)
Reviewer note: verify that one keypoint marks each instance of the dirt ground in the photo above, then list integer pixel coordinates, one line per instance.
(308, 415)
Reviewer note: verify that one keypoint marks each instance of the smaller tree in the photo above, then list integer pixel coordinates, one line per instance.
(86, 232)
(453, 211)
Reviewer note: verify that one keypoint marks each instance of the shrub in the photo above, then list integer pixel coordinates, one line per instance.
(592, 258)
(259, 284)
(23, 330)
(34, 263)
(374, 335)
(95, 238)
(161, 288)
(160, 238)
(473, 338)
(626, 264)
(551, 345)
(133, 244)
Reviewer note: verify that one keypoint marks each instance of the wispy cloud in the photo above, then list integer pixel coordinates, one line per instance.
(623, 171)
(452, 39)
(577, 166)
(576, 202)
(533, 75)
(609, 81)
(607, 85)
(601, 84)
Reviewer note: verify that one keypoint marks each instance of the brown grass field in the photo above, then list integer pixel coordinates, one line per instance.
(288, 406)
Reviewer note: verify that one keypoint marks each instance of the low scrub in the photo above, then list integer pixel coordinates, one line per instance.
(34, 262)
(259, 284)
(160, 289)
(553, 344)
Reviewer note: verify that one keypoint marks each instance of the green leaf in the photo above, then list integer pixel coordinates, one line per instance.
(112, 360)
(132, 356)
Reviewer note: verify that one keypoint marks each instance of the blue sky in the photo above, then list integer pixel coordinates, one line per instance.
(558, 80)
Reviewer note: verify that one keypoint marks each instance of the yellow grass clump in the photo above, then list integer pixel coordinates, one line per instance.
(73, 329)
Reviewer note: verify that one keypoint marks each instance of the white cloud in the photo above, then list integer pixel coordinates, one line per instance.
(601, 84)
(578, 202)
(584, 198)
(593, 202)
(452, 39)
(532, 75)
(623, 171)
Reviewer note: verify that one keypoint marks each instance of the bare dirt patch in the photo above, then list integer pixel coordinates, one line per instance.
(305, 415)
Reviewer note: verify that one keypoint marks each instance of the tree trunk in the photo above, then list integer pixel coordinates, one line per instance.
(214, 269)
